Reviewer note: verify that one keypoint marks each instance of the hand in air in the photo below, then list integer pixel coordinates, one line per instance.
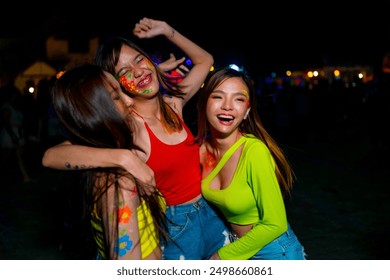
(148, 28)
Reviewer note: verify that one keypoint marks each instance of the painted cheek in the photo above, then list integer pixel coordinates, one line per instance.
(150, 65)
(146, 91)
(128, 83)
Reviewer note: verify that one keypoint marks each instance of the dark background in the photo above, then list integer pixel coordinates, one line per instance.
(264, 36)
(339, 208)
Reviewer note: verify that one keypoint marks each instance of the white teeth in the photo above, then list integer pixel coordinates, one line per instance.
(144, 81)
(225, 117)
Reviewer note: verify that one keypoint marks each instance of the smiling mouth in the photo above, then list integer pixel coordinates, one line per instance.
(225, 118)
(144, 82)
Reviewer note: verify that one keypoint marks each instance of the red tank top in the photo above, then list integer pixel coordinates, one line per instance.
(176, 167)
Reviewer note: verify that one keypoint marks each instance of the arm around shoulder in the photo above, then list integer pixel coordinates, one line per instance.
(66, 156)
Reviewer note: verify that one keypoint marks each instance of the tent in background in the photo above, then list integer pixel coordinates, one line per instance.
(33, 74)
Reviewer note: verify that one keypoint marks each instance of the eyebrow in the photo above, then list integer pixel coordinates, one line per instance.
(114, 89)
(235, 93)
(124, 67)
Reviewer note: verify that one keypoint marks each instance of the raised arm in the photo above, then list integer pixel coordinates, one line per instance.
(66, 156)
(201, 59)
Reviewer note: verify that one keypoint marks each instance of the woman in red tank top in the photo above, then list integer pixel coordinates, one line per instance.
(165, 143)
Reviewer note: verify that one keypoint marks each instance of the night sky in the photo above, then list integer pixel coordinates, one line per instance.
(265, 37)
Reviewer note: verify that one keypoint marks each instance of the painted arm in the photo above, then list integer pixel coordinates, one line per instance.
(121, 224)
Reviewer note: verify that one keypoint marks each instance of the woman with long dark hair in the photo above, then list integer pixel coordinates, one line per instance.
(245, 173)
(95, 112)
(167, 144)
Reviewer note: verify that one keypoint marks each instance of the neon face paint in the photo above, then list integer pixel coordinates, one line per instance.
(146, 91)
(150, 65)
(245, 92)
(127, 82)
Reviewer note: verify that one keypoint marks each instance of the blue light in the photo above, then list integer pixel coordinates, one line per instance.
(188, 62)
(234, 67)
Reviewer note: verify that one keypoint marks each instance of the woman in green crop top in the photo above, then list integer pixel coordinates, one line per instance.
(245, 174)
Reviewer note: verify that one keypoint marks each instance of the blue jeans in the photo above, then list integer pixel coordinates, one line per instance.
(284, 247)
(197, 231)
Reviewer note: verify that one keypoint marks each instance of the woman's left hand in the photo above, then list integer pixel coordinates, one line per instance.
(173, 64)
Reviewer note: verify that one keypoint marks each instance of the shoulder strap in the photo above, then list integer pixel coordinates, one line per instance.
(227, 155)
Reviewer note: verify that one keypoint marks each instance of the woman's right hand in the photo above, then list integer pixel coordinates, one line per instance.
(149, 28)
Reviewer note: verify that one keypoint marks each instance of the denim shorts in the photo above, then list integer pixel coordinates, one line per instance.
(284, 247)
(197, 231)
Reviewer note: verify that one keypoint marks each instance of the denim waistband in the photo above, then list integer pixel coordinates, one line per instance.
(186, 208)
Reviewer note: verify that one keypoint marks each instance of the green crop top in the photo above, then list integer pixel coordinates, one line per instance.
(253, 197)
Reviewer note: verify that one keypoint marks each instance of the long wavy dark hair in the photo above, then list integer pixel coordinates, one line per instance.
(251, 125)
(107, 57)
(84, 106)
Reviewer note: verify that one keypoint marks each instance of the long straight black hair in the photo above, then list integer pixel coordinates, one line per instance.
(83, 104)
